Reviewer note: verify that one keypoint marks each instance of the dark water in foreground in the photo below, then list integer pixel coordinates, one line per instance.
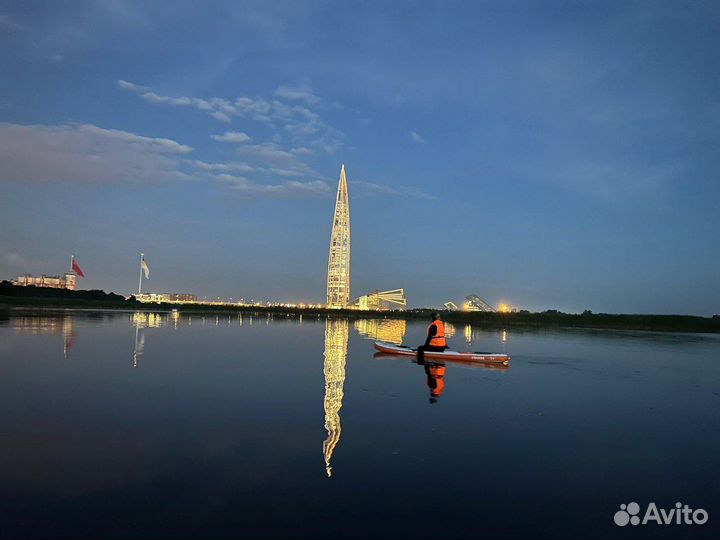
(135, 425)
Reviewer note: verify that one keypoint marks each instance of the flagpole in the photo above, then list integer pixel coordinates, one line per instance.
(72, 258)
(141, 272)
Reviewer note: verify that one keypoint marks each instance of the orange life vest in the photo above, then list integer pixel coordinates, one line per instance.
(439, 339)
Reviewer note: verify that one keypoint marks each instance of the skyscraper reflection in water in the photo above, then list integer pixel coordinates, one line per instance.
(336, 341)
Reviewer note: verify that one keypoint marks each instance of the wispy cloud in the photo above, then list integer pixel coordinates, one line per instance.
(363, 189)
(86, 153)
(161, 144)
(300, 92)
(287, 169)
(285, 189)
(232, 166)
(7, 23)
(274, 158)
(232, 137)
(416, 137)
(288, 111)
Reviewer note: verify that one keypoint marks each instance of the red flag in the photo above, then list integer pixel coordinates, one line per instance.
(77, 269)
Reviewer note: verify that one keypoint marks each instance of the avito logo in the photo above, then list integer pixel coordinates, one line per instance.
(680, 515)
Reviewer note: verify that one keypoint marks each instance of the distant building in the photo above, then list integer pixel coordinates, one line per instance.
(52, 282)
(182, 297)
(166, 297)
(381, 300)
(474, 303)
(451, 306)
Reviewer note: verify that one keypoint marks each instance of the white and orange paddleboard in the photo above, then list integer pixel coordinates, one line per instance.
(446, 355)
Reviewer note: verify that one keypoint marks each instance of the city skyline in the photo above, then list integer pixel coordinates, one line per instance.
(547, 157)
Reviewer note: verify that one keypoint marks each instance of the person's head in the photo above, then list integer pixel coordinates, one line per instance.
(434, 316)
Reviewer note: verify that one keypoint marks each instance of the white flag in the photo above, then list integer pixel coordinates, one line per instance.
(145, 268)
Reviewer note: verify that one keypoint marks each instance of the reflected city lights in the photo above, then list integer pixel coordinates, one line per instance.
(145, 319)
(139, 346)
(450, 330)
(468, 333)
(336, 341)
(175, 315)
(68, 335)
(387, 330)
(61, 324)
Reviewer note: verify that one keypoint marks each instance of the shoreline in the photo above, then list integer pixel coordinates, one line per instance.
(547, 319)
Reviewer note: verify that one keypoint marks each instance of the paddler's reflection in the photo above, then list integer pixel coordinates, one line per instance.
(435, 372)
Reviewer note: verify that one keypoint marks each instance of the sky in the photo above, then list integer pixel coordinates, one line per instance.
(550, 155)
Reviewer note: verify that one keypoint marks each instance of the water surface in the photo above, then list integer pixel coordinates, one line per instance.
(160, 425)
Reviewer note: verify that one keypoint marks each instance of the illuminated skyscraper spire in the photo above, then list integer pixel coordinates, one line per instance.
(338, 282)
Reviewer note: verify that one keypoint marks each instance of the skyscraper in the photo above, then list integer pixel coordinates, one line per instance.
(338, 280)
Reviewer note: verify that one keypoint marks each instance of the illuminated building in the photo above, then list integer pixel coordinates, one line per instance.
(178, 298)
(387, 330)
(451, 306)
(52, 282)
(381, 299)
(474, 303)
(182, 297)
(336, 340)
(338, 277)
(504, 308)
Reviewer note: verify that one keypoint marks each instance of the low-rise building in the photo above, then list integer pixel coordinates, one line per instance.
(68, 281)
(166, 297)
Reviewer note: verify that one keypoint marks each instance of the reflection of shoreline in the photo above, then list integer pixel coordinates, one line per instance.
(336, 340)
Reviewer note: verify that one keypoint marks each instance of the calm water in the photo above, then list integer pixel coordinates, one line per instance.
(149, 425)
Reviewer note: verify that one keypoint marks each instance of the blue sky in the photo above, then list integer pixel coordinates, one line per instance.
(550, 155)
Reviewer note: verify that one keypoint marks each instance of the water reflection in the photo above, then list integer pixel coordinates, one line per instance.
(44, 324)
(435, 372)
(450, 330)
(387, 330)
(139, 346)
(145, 319)
(336, 341)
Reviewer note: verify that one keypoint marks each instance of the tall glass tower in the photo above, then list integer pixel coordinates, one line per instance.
(338, 280)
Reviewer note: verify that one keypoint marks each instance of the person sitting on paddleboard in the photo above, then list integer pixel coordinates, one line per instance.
(435, 340)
